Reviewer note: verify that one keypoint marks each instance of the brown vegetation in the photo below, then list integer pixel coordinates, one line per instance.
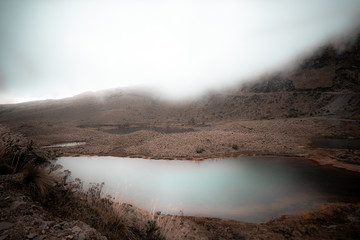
(39, 182)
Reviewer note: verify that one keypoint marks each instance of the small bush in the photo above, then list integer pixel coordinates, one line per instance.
(235, 147)
(200, 150)
(67, 199)
(39, 182)
(152, 231)
(113, 220)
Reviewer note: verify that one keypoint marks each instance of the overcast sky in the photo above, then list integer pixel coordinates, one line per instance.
(54, 49)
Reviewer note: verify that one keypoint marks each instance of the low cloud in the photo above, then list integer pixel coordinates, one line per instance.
(177, 49)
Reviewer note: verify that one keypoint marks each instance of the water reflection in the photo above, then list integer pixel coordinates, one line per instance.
(71, 144)
(248, 189)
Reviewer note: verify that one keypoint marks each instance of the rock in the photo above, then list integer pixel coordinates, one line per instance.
(16, 204)
(49, 223)
(44, 226)
(353, 218)
(31, 235)
(76, 229)
(5, 225)
(57, 226)
(41, 237)
(81, 236)
(331, 226)
(3, 237)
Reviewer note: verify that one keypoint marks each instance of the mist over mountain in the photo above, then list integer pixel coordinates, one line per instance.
(176, 49)
(308, 110)
(304, 90)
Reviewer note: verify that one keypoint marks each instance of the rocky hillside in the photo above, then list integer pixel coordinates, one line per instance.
(328, 70)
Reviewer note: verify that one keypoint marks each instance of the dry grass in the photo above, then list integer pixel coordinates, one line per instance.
(16, 152)
(39, 182)
(171, 226)
(67, 199)
(114, 220)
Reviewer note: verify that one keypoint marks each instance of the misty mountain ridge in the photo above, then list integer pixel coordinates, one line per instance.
(328, 69)
(281, 114)
(309, 90)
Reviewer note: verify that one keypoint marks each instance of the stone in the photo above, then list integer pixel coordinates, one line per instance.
(5, 225)
(41, 237)
(16, 204)
(3, 237)
(331, 226)
(76, 229)
(353, 218)
(57, 226)
(81, 236)
(31, 235)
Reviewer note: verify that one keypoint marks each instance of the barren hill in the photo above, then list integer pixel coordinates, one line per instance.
(280, 114)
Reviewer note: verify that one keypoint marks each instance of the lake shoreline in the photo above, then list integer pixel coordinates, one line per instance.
(288, 137)
(26, 217)
(309, 224)
(233, 177)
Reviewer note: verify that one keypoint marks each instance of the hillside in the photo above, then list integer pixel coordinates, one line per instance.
(284, 114)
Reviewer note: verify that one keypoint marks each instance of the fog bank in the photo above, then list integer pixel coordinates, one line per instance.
(54, 49)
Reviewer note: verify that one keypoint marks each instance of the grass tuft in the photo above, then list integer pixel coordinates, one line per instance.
(40, 184)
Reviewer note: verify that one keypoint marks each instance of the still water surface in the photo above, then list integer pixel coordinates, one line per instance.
(248, 189)
(70, 144)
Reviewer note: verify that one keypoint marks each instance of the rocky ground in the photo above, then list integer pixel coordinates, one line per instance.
(23, 218)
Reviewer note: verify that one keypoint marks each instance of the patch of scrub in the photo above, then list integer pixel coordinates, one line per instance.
(332, 142)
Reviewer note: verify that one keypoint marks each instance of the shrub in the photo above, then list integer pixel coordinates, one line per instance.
(152, 231)
(67, 199)
(200, 150)
(39, 182)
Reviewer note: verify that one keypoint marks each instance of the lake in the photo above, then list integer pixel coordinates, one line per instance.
(251, 189)
(70, 144)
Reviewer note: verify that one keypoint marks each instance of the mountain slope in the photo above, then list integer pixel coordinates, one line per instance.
(280, 114)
